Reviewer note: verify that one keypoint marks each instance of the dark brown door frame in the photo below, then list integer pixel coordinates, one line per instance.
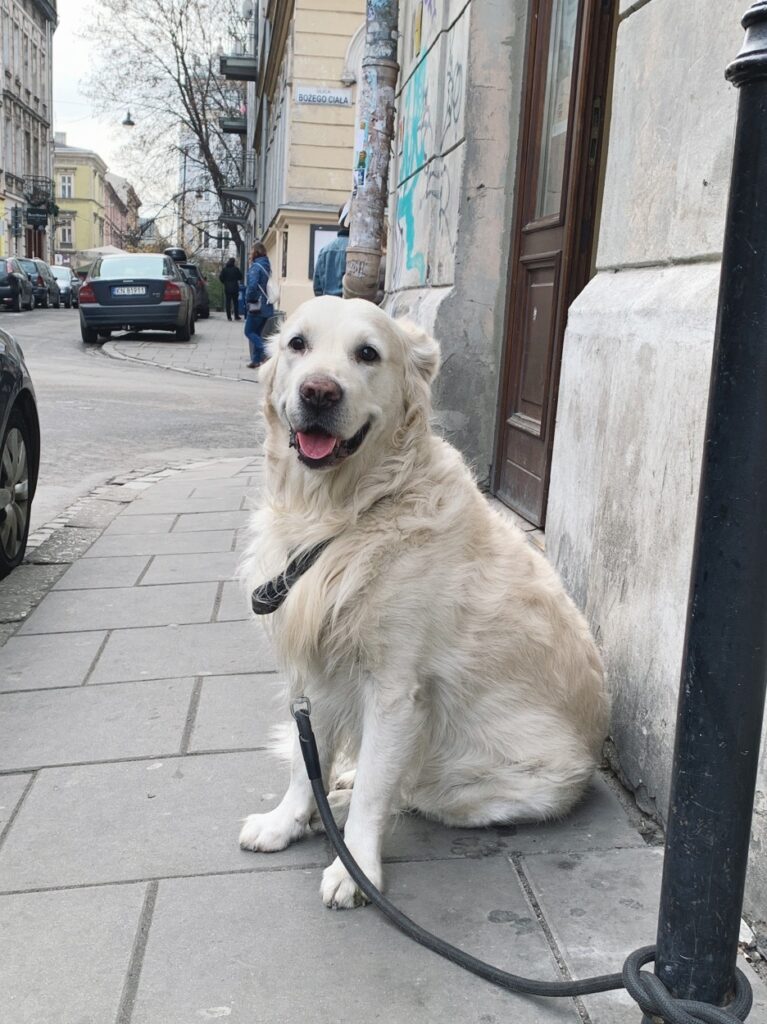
(595, 30)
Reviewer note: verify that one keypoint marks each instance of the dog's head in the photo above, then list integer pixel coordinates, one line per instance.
(344, 376)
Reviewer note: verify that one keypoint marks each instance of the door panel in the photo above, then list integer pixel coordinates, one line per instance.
(557, 181)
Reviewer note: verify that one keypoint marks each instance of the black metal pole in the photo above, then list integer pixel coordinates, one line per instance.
(721, 700)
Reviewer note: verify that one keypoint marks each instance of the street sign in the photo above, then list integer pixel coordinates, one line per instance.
(319, 96)
(37, 217)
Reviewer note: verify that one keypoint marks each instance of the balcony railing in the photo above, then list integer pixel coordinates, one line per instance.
(233, 125)
(240, 67)
(38, 191)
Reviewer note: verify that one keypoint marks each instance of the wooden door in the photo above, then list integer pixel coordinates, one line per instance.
(560, 143)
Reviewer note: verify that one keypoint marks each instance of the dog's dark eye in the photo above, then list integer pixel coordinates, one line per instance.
(367, 354)
(297, 344)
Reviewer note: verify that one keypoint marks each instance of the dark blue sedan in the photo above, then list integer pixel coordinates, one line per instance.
(135, 292)
(19, 453)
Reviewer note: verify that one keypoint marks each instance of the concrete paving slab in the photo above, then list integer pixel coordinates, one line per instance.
(273, 953)
(212, 489)
(234, 603)
(210, 649)
(162, 544)
(192, 568)
(65, 954)
(218, 470)
(92, 573)
(597, 823)
(237, 712)
(94, 513)
(11, 789)
(39, 662)
(599, 906)
(141, 524)
(196, 521)
(93, 723)
(122, 608)
(146, 819)
(228, 501)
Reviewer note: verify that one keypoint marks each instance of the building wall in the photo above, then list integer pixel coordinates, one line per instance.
(452, 190)
(26, 36)
(85, 210)
(635, 378)
(307, 148)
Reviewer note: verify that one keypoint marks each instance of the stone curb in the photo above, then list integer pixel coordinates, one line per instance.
(109, 350)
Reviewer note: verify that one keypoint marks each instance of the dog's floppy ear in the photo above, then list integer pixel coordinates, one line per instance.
(422, 350)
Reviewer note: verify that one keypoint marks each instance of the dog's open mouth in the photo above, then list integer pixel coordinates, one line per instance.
(317, 448)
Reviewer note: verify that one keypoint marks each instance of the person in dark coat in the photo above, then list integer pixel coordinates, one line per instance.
(330, 267)
(230, 278)
(260, 309)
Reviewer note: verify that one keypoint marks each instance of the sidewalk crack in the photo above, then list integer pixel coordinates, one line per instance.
(564, 970)
(96, 657)
(15, 812)
(132, 978)
(191, 715)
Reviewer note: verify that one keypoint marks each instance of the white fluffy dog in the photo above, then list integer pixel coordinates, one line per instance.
(438, 648)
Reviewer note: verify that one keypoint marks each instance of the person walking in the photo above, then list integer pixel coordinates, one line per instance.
(260, 309)
(330, 267)
(230, 278)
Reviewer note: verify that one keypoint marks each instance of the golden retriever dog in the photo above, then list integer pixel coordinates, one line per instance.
(438, 648)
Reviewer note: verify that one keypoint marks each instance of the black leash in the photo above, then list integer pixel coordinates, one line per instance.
(645, 988)
(270, 595)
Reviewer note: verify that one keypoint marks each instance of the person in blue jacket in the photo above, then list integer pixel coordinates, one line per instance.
(259, 309)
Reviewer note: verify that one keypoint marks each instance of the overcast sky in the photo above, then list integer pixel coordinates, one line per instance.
(72, 112)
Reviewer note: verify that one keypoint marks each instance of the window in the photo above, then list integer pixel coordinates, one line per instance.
(65, 236)
(66, 186)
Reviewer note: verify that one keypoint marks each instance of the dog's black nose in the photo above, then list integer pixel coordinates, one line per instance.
(320, 392)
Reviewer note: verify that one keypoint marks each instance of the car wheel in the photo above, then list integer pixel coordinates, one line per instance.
(67, 303)
(89, 334)
(31, 305)
(16, 304)
(57, 303)
(185, 333)
(45, 301)
(193, 327)
(15, 503)
(205, 313)
(106, 335)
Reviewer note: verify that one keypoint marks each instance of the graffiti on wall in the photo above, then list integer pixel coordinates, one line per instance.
(430, 126)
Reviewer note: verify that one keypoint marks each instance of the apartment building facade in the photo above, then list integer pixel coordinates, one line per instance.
(26, 109)
(80, 183)
(121, 206)
(301, 112)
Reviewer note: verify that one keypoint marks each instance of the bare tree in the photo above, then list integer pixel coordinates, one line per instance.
(160, 60)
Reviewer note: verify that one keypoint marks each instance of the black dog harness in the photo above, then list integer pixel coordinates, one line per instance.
(270, 595)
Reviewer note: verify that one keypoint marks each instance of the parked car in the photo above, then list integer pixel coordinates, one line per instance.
(19, 452)
(45, 285)
(69, 285)
(16, 291)
(195, 277)
(134, 292)
(176, 253)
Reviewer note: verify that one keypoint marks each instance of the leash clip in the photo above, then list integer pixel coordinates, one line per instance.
(299, 705)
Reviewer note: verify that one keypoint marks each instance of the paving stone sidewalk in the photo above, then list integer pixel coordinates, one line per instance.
(136, 703)
(218, 349)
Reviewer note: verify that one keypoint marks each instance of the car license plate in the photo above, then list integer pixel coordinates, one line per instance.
(129, 290)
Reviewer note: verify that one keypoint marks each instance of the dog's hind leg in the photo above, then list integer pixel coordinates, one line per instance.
(339, 800)
(512, 794)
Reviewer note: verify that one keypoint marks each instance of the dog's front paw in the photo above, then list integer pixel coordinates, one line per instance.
(340, 892)
(270, 832)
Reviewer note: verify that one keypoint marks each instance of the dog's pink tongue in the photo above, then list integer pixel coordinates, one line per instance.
(316, 446)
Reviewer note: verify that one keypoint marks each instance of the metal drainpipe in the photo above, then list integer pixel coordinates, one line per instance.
(722, 690)
(379, 79)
